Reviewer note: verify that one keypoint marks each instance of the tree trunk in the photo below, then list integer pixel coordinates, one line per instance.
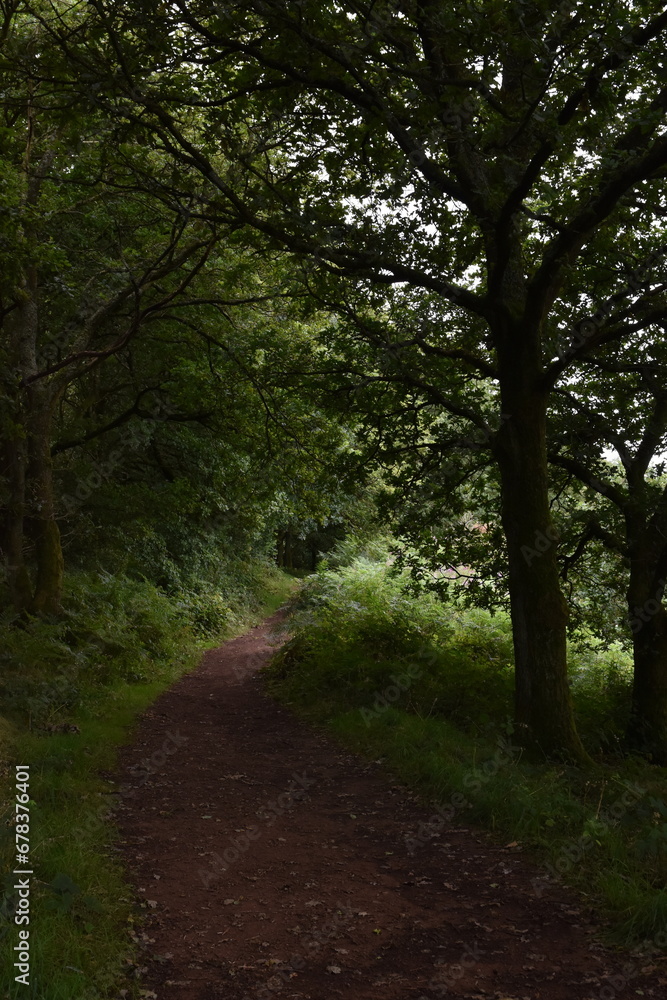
(14, 472)
(543, 705)
(29, 465)
(46, 533)
(20, 328)
(27, 469)
(647, 726)
(647, 729)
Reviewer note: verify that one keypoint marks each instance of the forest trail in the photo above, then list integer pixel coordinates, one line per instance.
(274, 864)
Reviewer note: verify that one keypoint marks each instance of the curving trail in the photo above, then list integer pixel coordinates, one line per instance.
(274, 864)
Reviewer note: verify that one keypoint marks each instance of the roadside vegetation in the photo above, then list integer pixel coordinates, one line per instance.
(426, 686)
(71, 689)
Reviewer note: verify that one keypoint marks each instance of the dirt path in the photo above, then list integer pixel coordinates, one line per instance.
(273, 864)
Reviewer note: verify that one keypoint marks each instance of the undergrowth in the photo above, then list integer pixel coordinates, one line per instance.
(427, 687)
(71, 688)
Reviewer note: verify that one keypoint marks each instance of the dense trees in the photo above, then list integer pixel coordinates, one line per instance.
(91, 260)
(477, 193)
(143, 348)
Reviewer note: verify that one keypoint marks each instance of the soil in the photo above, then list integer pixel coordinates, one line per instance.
(273, 863)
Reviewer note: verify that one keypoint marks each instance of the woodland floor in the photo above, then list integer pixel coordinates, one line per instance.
(320, 898)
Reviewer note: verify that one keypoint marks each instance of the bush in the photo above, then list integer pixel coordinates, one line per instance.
(112, 629)
(356, 632)
(214, 609)
(601, 690)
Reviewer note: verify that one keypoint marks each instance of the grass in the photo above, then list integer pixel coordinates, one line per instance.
(73, 688)
(427, 688)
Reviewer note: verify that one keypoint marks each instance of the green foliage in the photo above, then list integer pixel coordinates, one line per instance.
(216, 609)
(374, 547)
(81, 909)
(112, 629)
(601, 676)
(356, 630)
(461, 185)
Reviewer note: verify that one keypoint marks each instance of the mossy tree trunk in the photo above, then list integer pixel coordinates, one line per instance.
(647, 726)
(50, 566)
(647, 729)
(14, 460)
(30, 514)
(543, 705)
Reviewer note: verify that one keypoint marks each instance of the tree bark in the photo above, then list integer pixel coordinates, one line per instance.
(543, 705)
(30, 512)
(20, 328)
(46, 533)
(647, 726)
(29, 464)
(14, 471)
